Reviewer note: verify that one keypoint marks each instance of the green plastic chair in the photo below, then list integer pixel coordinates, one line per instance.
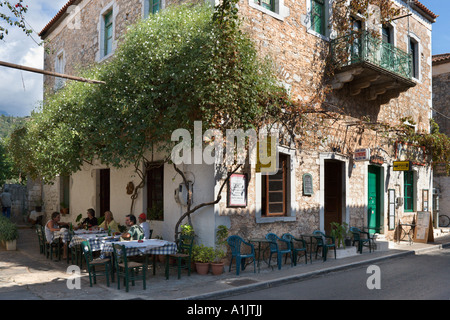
(279, 250)
(358, 236)
(129, 270)
(183, 256)
(50, 248)
(76, 253)
(325, 242)
(92, 263)
(295, 250)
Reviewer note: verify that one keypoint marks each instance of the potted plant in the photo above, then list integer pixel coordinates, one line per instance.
(340, 232)
(220, 252)
(8, 233)
(64, 208)
(203, 256)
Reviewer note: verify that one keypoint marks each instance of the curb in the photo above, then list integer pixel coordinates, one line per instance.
(308, 275)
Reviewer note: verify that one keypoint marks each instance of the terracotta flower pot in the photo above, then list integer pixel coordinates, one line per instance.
(202, 268)
(217, 268)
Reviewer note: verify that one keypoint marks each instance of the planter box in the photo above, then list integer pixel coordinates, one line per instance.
(10, 245)
(343, 253)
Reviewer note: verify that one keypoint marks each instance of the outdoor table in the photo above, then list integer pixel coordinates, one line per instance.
(260, 241)
(95, 240)
(145, 247)
(311, 237)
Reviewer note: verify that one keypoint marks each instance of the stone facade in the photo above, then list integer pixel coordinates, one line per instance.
(300, 58)
(441, 106)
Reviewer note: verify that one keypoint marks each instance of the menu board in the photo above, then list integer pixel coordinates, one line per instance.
(423, 231)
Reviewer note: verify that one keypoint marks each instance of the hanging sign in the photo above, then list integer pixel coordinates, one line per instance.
(361, 154)
(402, 165)
(237, 190)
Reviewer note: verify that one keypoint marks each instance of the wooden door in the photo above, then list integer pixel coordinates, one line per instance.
(333, 193)
(104, 191)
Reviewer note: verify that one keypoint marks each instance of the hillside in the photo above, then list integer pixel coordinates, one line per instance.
(8, 123)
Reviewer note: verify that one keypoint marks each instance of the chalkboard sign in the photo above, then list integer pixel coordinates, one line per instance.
(307, 185)
(423, 231)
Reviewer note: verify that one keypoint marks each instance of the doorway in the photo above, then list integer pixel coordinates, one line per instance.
(373, 202)
(104, 191)
(333, 193)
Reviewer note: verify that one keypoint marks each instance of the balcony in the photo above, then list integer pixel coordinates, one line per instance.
(370, 67)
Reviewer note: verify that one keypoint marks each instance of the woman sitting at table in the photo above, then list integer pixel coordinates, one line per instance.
(90, 221)
(109, 223)
(52, 226)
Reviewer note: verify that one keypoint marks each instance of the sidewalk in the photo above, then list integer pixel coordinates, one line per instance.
(26, 274)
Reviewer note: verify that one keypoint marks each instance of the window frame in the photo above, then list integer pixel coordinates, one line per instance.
(60, 66)
(157, 168)
(113, 9)
(291, 192)
(265, 195)
(279, 10)
(414, 49)
(148, 4)
(326, 17)
(108, 32)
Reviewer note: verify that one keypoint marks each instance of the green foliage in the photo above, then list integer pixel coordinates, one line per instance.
(202, 253)
(8, 230)
(13, 16)
(436, 143)
(171, 69)
(187, 230)
(340, 232)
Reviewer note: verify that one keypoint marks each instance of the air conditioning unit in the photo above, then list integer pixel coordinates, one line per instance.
(181, 194)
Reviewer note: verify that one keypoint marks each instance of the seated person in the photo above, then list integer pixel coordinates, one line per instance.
(35, 216)
(52, 226)
(90, 221)
(109, 223)
(144, 225)
(134, 232)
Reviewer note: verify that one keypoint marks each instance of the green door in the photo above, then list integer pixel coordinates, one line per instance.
(374, 199)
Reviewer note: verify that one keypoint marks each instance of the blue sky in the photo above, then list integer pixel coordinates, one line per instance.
(21, 91)
(441, 28)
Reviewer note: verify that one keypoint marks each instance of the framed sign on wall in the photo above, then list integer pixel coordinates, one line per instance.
(237, 190)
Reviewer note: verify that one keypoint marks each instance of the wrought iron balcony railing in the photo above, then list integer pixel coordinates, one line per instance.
(362, 47)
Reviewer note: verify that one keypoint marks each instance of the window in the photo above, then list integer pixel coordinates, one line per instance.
(318, 16)
(414, 51)
(268, 4)
(155, 192)
(108, 33)
(275, 190)
(59, 68)
(152, 7)
(408, 205)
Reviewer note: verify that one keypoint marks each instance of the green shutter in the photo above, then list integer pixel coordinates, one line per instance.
(108, 33)
(409, 191)
(318, 16)
(156, 4)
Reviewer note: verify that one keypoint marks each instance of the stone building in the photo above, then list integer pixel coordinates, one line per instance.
(441, 114)
(344, 171)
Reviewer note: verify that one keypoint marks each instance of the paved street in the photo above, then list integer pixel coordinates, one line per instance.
(413, 277)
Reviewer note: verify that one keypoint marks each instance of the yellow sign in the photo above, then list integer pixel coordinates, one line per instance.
(402, 166)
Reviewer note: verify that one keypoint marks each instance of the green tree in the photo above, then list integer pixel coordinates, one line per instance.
(13, 15)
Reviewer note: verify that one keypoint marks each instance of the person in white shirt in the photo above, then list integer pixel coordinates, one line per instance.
(144, 225)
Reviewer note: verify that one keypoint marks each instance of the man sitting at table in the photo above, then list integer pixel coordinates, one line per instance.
(135, 231)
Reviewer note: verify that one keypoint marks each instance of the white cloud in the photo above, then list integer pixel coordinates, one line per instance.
(21, 91)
